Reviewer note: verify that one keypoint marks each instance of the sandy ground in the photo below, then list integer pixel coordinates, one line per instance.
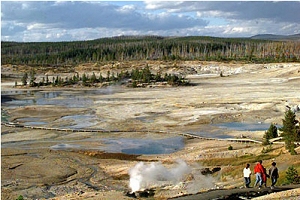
(247, 93)
(291, 194)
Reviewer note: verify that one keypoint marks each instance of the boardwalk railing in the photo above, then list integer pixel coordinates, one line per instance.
(188, 135)
(246, 140)
(17, 125)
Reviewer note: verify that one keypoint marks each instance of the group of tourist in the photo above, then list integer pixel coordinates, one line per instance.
(261, 175)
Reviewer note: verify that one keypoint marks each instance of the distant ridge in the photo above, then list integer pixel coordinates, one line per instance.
(295, 37)
(152, 47)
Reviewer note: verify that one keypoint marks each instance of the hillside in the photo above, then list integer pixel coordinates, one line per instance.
(295, 37)
(132, 48)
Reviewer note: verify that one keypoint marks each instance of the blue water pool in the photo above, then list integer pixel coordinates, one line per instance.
(241, 126)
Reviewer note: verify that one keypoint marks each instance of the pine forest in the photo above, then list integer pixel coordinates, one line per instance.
(130, 48)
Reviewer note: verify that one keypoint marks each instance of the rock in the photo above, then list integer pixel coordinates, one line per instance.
(206, 171)
(216, 169)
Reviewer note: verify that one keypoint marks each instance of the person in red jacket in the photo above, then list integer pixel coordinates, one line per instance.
(259, 174)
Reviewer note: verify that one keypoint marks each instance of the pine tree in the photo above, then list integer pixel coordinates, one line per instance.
(43, 81)
(93, 78)
(266, 139)
(108, 76)
(24, 79)
(32, 78)
(84, 79)
(47, 79)
(100, 78)
(269, 134)
(289, 131)
(292, 175)
(56, 80)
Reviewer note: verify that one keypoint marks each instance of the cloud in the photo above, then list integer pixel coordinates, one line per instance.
(81, 20)
(239, 18)
(250, 10)
(127, 9)
(11, 28)
(75, 16)
(89, 15)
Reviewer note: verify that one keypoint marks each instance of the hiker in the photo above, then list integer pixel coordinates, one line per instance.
(273, 173)
(259, 173)
(247, 173)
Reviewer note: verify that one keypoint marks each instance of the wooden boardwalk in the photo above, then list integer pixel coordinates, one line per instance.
(188, 135)
(17, 125)
(246, 140)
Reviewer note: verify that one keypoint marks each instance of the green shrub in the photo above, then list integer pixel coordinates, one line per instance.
(267, 149)
(20, 197)
(230, 147)
(292, 176)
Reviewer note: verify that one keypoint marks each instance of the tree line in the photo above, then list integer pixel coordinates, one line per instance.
(149, 48)
(137, 78)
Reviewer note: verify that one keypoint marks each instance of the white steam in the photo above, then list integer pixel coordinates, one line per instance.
(143, 175)
(200, 181)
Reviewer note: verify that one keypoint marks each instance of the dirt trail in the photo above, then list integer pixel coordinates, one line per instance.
(246, 193)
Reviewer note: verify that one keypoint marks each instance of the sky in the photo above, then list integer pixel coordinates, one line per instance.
(51, 21)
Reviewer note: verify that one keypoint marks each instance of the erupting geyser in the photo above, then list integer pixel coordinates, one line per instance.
(143, 175)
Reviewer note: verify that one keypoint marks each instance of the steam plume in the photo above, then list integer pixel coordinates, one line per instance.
(143, 175)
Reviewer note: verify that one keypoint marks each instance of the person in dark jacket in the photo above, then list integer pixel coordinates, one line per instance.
(274, 175)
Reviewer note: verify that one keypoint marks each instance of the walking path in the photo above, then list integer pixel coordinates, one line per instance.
(244, 193)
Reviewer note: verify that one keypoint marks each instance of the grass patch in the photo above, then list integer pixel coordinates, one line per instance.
(282, 174)
(236, 160)
(235, 165)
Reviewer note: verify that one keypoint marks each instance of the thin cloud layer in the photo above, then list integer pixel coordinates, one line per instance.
(283, 11)
(66, 21)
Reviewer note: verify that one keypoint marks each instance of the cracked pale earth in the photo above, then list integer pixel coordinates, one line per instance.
(247, 93)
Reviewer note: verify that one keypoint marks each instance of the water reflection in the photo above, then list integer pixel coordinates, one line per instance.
(60, 98)
(240, 126)
(143, 146)
(31, 121)
(47, 98)
(126, 145)
(85, 99)
(64, 146)
(80, 121)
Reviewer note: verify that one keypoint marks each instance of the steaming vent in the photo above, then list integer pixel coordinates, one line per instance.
(141, 194)
(144, 176)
